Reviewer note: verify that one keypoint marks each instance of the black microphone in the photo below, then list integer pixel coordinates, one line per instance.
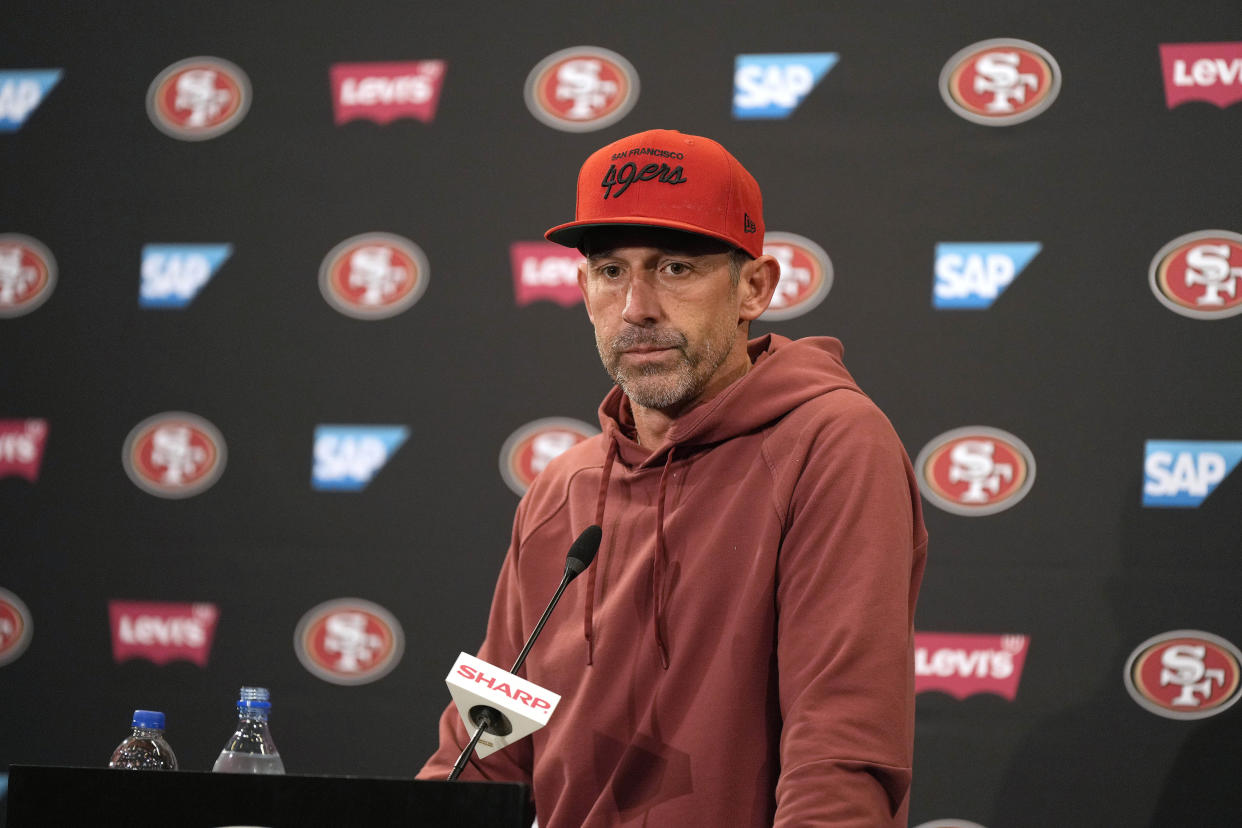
(491, 720)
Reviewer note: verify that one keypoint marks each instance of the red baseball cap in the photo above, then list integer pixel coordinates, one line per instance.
(664, 178)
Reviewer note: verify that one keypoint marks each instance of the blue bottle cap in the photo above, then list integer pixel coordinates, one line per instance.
(149, 719)
(254, 697)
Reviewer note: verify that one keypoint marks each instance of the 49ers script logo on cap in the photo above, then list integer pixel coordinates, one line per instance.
(1197, 274)
(15, 627)
(1000, 82)
(198, 98)
(27, 274)
(975, 471)
(174, 455)
(1184, 674)
(349, 641)
(806, 275)
(374, 275)
(581, 89)
(533, 446)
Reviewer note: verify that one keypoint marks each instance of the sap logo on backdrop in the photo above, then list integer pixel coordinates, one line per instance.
(15, 627)
(349, 641)
(347, 457)
(772, 86)
(1184, 674)
(528, 450)
(543, 270)
(975, 471)
(581, 89)
(174, 455)
(21, 92)
(374, 275)
(21, 448)
(1182, 473)
(973, 274)
(1197, 275)
(160, 632)
(173, 274)
(27, 274)
(1000, 82)
(962, 665)
(198, 98)
(384, 92)
(1210, 72)
(806, 275)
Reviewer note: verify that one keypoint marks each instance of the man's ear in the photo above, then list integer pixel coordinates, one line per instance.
(582, 287)
(757, 286)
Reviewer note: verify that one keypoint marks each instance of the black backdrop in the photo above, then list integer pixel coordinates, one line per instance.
(1077, 358)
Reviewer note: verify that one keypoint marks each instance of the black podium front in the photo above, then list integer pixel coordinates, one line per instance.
(42, 797)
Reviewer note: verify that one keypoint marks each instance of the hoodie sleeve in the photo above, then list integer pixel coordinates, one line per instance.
(847, 577)
(504, 640)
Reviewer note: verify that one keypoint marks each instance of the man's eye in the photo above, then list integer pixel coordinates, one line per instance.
(610, 271)
(677, 268)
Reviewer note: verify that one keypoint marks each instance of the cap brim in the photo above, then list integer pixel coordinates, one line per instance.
(570, 234)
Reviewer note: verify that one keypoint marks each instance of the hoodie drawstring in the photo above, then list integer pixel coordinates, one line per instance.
(589, 604)
(658, 565)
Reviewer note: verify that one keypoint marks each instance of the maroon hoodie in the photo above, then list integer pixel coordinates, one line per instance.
(740, 652)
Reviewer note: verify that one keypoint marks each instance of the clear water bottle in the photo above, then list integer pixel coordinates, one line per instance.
(250, 749)
(145, 749)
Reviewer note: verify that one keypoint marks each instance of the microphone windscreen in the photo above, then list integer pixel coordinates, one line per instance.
(583, 551)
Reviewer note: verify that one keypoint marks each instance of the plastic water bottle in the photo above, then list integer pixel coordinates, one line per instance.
(145, 749)
(250, 749)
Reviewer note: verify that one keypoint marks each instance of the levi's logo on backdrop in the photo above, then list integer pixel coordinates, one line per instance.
(21, 448)
(806, 275)
(1182, 473)
(581, 89)
(773, 86)
(15, 627)
(529, 450)
(1209, 72)
(161, 632)
(543, 270)
(1197, 275)
(349, 641)
(198, 98)
(173, 274)
(965, 664)
(1000, 82)
(27, 274)
(347, 457)
(973, 274)
(21, 92)
(1184, 674)
(384, 92)
(975, 471)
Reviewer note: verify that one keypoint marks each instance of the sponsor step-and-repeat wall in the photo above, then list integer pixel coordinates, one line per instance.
(282, 345)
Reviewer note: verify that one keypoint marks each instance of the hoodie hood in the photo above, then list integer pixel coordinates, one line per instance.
(784, 374)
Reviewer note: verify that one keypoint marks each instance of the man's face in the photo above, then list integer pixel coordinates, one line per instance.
(666, 314)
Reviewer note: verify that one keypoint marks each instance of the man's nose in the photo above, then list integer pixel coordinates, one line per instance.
(642, 300)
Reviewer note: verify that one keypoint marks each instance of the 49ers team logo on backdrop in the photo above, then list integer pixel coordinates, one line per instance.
(1184, 674)
(174, 455)
(581, 89)
(15, 627)
(1197, 274)
(533, 446)
(349, 641)
(27, 274)
(806, 275)
(1000, 82)
(374, 275)
(975, 471)
(198, 98)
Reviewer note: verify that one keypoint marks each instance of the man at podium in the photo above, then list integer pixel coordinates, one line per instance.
(740, 651)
